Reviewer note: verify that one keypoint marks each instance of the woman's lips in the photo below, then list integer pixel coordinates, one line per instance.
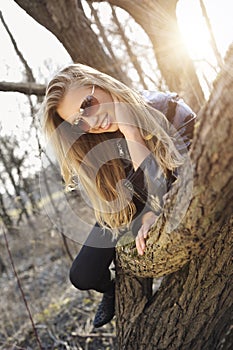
(105, 123)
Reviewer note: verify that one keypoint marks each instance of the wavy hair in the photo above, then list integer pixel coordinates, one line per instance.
(98, 167)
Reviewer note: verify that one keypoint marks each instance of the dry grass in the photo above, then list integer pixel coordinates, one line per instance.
(62, 315)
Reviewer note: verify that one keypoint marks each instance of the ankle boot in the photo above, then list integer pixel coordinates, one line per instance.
(105, 310)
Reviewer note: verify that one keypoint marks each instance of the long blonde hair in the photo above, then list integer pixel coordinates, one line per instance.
(101, 176)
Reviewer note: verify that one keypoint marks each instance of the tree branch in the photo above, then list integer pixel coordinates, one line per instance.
(158, 19)
(67, 21)
(29, 72)
(25, 88)
(212, 38)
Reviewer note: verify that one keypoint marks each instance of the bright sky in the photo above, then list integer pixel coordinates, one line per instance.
(38, 45)
(193, 27)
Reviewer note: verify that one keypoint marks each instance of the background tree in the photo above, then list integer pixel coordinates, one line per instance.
(191, 308)
(12, 165)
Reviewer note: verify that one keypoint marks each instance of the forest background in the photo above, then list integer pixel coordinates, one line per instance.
(39, 307)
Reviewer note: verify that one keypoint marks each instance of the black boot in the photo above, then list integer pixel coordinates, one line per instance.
(106, 309)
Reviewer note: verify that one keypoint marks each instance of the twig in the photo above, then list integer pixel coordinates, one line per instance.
(21, 289)
(29, 73)
(93, 335)
(12, 346)
(102, 32)
(130, 53)
(58, 341)
(212, 38)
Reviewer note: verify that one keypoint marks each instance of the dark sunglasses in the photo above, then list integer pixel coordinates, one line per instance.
(89, 107)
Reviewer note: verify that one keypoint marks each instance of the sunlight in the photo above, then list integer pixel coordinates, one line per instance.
(197, 41)
(194, 31)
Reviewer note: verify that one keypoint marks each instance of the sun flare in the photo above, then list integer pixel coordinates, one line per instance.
(194, 32)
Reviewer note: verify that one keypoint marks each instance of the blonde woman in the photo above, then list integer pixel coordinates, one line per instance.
(122, 146)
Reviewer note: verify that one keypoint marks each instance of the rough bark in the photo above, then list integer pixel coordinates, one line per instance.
(158, 19)
(193, 307)
(67, 21)
(191, 310)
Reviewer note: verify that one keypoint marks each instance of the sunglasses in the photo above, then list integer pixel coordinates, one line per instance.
(88, 108)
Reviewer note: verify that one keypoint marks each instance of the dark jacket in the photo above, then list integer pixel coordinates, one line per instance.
(148, 182)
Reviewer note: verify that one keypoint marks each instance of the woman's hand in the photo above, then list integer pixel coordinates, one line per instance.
(148, 220)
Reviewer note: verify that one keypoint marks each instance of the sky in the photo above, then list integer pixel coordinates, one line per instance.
(39, 46)
(193, 27)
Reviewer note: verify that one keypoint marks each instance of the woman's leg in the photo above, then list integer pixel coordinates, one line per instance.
(90, 269)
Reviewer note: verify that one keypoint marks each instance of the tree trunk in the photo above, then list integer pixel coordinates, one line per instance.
(158, 19)
(67, 21)
(191, 309)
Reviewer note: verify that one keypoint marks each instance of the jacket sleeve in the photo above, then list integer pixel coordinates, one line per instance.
(155, 184)
(177, 112)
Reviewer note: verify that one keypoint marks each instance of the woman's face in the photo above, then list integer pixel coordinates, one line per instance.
(101, 119)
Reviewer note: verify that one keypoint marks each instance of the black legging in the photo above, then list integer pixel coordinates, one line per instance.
(90, 269)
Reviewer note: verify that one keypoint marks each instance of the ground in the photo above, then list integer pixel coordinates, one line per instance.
(62, 315)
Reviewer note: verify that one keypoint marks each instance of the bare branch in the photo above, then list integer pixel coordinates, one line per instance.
(24, 88)
(29, 73)
(125, 40)
(102, 31)
(212, 38)
(68, 22)
(158, 20)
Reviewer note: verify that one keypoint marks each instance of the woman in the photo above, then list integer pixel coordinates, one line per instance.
(125, 153)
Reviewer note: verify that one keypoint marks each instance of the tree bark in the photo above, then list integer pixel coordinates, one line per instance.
(158, 19)
(67, 21)
(193, 307)
(191, 310)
